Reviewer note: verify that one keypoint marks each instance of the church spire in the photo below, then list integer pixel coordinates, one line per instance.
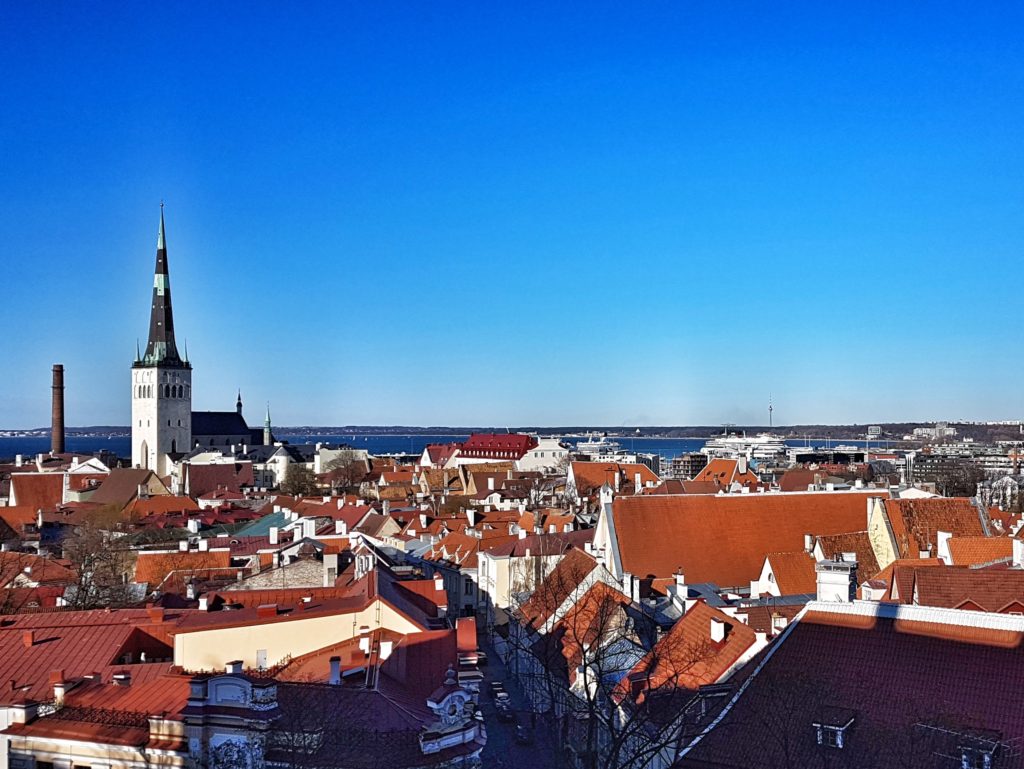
(161, 350)
(267, 433)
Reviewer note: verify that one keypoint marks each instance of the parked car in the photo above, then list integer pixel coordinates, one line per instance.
(496, 686)
(481, 657)
(503, 698)
(523, 735)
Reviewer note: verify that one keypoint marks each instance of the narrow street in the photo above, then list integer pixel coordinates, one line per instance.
(502, 751)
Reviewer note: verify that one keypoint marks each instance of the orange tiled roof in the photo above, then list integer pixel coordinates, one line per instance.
(856, 542)
(686, 656)
(975, 551)
(153, 568)
(916, 522)
(794, 573)
(724, 539)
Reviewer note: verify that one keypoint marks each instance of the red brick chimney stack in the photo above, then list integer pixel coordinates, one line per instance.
(57, 415)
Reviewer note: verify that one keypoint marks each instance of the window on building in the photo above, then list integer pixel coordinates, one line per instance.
(469, 585)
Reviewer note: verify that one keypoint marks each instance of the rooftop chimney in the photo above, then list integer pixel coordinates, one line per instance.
(122, 678)
(335, 678)
(717, 631)
(273, 535)
(57, 413)
(837, 581)
(234, 667)
(28, 637)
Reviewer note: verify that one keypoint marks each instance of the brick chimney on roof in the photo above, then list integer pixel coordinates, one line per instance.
(57, 410)
(28, 637)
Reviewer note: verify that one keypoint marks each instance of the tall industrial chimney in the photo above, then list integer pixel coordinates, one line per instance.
(57, 417)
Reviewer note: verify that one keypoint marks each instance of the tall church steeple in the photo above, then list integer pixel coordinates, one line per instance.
(161, 382)
(162, 350)
(268, 437)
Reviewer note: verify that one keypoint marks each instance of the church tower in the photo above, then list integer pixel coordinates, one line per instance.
(161, 382)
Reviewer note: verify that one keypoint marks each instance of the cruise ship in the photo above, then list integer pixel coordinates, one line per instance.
(761, 447)
(597, 448)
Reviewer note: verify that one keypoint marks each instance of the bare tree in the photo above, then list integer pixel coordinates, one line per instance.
(344, 473)
(591, 659)
(299, 481)
(103, 563)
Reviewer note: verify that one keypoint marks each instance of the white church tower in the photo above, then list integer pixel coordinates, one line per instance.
(161, 382)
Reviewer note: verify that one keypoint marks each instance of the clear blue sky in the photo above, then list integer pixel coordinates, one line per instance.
(482, 213)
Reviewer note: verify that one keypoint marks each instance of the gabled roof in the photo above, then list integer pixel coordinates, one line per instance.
(856, 542)
(725, 472)
(686, 657)
(152, 568)
(917, 522)
(977, 551)
(794, 572)
(218, 423)
(914, 677)
(497, 445)
(37, 490)
(203, 478)
(562, 582)
(724, 538)
(990, 590)
(590, 476)
(78, 643)
(122, 486)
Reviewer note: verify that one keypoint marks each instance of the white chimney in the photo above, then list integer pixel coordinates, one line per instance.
(490, 483)
(741, 465)
(438, 582)
(522, 533)
(193, 525)
(204, 545)
(18, 460)
(1018, 553)
(204, 603)
(183, 545)
(273, 535)
(233, 668)
(385, 649)
(808, 543)
(637, 483)
(339, 527)
(335, 678)
(717, 631)
(618, 478)
(837, 581)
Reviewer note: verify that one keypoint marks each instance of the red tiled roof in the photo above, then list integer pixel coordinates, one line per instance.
(33, 568)
(725, 472)
(232, 476)
(497, 445)
(894, 675)
(724, 538)
(162, 503)
(79, 643)
(954, 587)
(37, 490)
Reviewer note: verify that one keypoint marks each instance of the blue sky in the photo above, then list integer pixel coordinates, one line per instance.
(484, 213)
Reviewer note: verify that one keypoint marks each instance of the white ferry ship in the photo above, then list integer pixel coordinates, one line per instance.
(762, 447)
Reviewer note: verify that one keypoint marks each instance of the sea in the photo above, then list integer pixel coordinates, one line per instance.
(374, 444)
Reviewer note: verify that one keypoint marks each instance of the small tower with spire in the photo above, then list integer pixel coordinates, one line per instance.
(268, 438)
(238, 403)
(161, 381)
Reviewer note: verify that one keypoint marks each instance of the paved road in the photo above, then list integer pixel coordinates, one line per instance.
(502, 751)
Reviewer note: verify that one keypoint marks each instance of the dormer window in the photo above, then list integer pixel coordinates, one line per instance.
(833, 728)
(975, 758)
